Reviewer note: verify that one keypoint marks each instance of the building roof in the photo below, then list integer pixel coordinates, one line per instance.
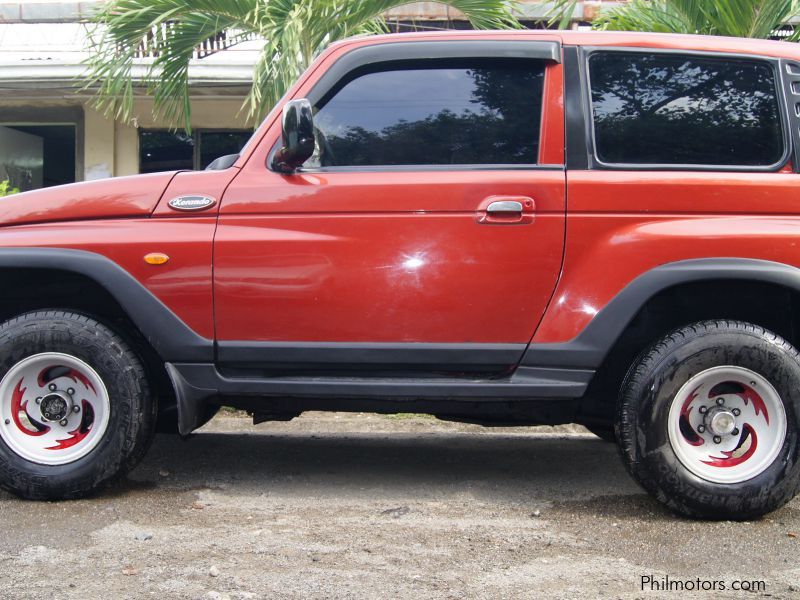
(49, 58)
(52, 56)
(61, 11)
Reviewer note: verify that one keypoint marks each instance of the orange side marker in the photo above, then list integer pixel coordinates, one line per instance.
(156, 258)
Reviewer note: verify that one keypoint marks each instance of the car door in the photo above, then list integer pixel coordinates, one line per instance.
(426, 232)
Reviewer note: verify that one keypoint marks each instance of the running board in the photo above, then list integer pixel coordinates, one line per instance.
(198, 384)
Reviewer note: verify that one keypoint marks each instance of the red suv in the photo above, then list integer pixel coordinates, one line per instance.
(524, 227)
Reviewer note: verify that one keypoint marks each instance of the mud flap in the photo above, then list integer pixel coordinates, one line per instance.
(191, 401)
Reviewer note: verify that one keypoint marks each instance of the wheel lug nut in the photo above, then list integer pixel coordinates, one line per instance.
(71, 391)
(52, 387)
(735, 431)
(8, 421)
(702, 410)
(720, 401)
(76, 408)
(39, 400)
(717, 439)
(701, 428)
(63, 422)
(736, 412)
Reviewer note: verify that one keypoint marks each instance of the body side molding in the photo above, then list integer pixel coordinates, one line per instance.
(369, 355)
(590, 347)
(171, 338)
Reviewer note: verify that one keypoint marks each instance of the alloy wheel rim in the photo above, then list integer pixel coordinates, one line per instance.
(727, 424)
(54, 408)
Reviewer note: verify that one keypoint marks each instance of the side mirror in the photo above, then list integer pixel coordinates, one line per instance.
(222, 163)
(297, 128)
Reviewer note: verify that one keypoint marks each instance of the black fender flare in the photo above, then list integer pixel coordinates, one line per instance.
(589, 348)
(169, 336)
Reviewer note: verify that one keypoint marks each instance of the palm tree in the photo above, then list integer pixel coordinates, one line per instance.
(294, 33)
(740, 18)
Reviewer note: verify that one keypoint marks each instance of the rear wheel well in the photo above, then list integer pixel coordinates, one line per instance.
(28, 289)
(771, 306)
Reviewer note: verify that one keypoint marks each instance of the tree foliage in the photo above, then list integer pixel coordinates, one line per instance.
(739, 18)
(294, 33)
(6, 189)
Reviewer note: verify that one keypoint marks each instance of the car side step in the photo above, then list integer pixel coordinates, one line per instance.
(197, 384)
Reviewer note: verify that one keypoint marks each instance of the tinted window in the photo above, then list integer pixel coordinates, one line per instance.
(168, 151)
(476, 112)
(165, 151)
(215, 144)
(672, 109)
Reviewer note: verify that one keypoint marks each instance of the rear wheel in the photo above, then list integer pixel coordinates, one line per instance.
(76, 409)
(708, 420)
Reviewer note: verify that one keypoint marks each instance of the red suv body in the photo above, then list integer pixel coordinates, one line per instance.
(493, 226)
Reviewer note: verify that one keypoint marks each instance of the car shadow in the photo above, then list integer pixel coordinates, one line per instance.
(437, 465)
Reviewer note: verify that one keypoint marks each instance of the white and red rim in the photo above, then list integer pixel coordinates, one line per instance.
(54, 408)
(727, 424)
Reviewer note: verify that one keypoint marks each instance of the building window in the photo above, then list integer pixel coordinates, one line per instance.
(448, 112)
(672, 109)
(161, 150)
(37, 156)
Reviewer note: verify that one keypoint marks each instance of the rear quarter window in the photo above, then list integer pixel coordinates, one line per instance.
(672, 109)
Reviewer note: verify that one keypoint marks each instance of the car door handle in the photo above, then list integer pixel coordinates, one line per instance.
(504, 207)
(506, 210)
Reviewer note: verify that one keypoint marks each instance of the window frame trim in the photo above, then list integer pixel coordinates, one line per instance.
(547, 51)
(594, 162)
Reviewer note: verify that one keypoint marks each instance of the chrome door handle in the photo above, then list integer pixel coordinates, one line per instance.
(504, 206)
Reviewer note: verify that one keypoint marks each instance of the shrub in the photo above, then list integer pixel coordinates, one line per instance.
(6, 189)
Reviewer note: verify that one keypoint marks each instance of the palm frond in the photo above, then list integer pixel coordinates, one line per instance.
(561, 13)
(739, 18)
(167, 30)
(294, 33)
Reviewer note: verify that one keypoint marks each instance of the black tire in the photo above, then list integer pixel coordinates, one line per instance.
(649, 389)
(604, 433)
(132, 415)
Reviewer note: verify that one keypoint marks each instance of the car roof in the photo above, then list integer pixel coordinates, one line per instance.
(666, 41)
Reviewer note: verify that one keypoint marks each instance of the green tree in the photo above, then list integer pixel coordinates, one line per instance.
(739, 18)
(294, 33)
(6, 189)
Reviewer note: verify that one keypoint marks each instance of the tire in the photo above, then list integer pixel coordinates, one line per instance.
(76, 409)
(708, 421)
(604, 433)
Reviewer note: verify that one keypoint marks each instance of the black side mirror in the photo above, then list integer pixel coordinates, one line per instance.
(297, 128)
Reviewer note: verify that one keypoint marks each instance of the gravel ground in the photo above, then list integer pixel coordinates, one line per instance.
(367, 506)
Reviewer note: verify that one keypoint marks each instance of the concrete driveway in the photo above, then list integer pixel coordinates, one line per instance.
(367, 506)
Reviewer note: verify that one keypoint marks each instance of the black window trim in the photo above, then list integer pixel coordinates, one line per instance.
(364, 56)
(774, 63)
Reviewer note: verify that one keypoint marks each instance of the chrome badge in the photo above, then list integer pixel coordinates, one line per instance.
(189, 203)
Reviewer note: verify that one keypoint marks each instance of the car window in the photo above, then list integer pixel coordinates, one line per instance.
(433, 113)
(674, 109)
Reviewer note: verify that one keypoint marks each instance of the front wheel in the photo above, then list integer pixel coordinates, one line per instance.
(708, 420)
(76, 410)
